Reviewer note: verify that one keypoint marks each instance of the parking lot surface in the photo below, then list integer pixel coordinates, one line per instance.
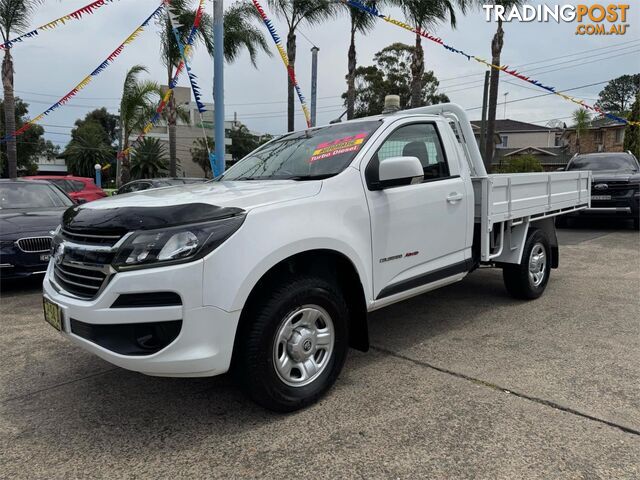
(463, 382)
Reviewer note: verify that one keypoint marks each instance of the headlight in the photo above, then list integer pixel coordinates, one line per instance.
(153, 248)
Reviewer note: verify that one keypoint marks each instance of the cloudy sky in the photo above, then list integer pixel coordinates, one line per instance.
(49, 65)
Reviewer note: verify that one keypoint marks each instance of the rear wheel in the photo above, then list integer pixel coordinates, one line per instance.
(529, 279)
(293, 349)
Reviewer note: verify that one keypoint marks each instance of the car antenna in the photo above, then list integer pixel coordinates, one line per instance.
(339, 119)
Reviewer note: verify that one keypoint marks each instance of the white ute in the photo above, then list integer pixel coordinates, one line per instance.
(270, 270)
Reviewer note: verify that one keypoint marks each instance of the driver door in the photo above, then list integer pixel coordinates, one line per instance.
(419, 231)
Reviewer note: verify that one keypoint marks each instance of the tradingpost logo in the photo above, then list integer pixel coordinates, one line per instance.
(596, 19)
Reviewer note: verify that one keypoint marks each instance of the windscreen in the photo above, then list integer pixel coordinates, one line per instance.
(603, 162)
(31, 195)
(311, 154)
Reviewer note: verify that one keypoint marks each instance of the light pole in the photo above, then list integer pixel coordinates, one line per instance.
(314, 83)
(218, 83)
(505, 104)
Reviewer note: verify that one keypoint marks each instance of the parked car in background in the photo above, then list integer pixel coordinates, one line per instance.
(616, 185)
(147, 183)
(29, 212)
(79, 189)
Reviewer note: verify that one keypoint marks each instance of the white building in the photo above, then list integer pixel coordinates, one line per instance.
(187, 134)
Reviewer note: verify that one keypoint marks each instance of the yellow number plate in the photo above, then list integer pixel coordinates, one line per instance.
(52, 314)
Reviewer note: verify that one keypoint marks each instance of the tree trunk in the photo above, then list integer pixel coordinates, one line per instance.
(417, 72)
(171, 123)
(9, 114)
(125, 161)
(496, 50)
(351, 75)
(291, 53)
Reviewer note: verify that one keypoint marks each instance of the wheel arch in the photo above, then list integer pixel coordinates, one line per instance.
(330, 264)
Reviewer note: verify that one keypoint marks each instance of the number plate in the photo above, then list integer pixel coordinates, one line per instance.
(45, 258)
(600, 197)
(52, 314)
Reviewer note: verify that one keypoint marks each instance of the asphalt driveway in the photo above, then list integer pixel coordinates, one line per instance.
(463, 382)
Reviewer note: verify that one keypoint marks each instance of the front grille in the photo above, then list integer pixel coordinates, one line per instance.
(34, 244)
(80, 280)
(108, 238)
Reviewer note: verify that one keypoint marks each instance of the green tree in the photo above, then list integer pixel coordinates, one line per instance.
(31, 143)
(136, 108)
(425, 14)
(149, 159)
(496, 52)
(521, 164)
(618, 95)
(243, 142)
(632, 132)
(581, 121)
(296, 12)
(108, 121)
(391, 75)
(88, 146)
(239, 33)
(15, 16)
(360, 22)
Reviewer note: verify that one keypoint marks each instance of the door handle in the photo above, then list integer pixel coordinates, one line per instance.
(454, 197)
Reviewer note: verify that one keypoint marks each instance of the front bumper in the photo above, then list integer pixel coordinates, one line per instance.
(17, 264)
(627, 205)
(205, 342)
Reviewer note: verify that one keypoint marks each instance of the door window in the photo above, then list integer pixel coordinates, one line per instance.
(419, 140)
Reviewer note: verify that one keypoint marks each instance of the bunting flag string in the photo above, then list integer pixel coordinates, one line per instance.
(153, 122)
(85, 81)
(192, 77)
(504, 68)
(76, 15)
(285, 60)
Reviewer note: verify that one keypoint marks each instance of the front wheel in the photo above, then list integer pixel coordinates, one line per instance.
(529, 279)
(293, 348)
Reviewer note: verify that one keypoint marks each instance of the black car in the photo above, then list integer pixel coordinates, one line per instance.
(148, 183)
(29, 212)
(615, 189)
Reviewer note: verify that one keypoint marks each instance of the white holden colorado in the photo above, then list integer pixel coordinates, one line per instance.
(271, 269)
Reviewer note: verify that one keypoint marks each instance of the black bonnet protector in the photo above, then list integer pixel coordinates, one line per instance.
(125, 219)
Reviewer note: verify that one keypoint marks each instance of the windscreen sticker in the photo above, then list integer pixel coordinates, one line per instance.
(338, 147)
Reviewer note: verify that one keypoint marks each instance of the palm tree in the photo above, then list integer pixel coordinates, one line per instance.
(496, 51)
(200, 154)
(239, 34)
(87, 148)
(14, 19)
(136, 107)
(581, 120)
(294, 13)
(149, 159)
(361, 22)
(423, 14)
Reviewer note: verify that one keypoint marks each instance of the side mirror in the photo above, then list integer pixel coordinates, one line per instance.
(80, 201)
(396, 171)
(115, 192)
(561, 169)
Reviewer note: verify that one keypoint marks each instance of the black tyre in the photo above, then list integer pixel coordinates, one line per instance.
(294, 344)
(529, 279)
(636, 223)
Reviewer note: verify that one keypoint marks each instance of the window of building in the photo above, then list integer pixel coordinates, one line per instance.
(505, 141)
(598, 136)
(620, 135)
